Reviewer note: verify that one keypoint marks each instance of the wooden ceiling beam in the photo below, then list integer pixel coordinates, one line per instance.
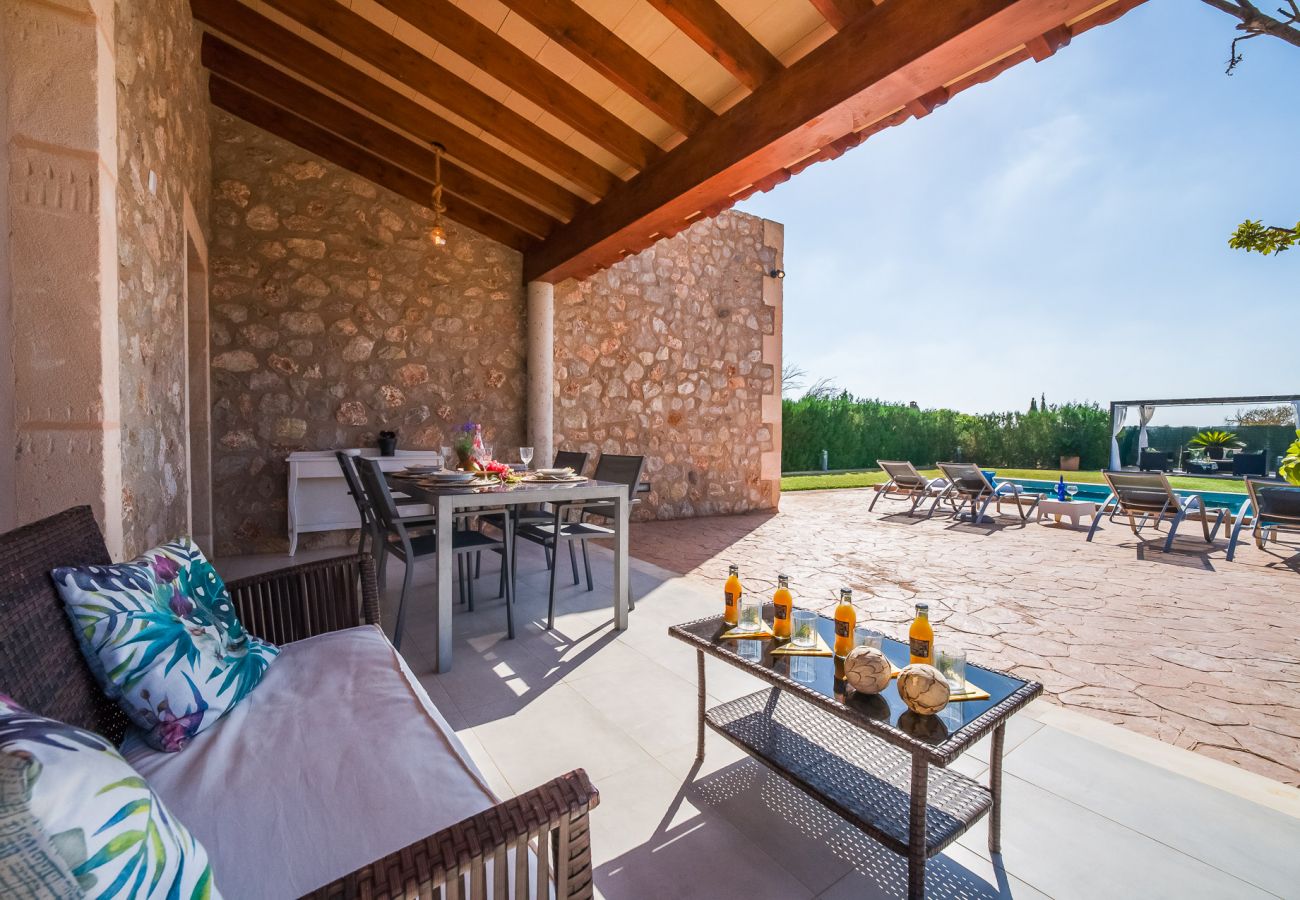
(878, 64)
(316, 140)
(722, 37)
(287, 92)
(583, 35)
(359, 36)
(241, 24)
(469, 38)
(839, 13)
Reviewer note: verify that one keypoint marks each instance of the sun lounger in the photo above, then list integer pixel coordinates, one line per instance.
(905, 483)
(1273, 507)
(968, 485)
(1147, 497)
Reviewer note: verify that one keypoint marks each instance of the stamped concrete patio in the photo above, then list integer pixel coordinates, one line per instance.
(1185, 647)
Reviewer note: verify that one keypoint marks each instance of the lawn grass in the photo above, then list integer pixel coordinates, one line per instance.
(873, 476)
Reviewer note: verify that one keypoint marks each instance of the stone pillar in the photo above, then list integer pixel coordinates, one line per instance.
(773, 296)
(59, 269)
(541, 371)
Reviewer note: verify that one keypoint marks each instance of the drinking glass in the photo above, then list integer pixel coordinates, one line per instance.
(526, 456)
(1071, 490)
(952, 664)
(803, 669)
(448, 458)
(752, 651)
(751, 614)
(485, 455)
(803, 633)
(865, 637)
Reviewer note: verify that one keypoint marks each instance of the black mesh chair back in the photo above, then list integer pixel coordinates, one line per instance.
(621, 470)
(378, 496)
(347, 464)
(571, 459)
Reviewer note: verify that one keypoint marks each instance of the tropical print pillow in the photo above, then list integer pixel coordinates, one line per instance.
(77, 821)
(162, 636)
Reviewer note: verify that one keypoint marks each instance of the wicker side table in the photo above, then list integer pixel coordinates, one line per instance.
(870, 760)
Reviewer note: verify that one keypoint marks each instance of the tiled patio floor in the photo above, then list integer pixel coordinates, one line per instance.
(1091, 810)
(1184, 647)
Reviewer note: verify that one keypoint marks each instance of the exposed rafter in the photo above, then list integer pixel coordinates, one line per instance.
(314, 139)
(241, 24)
(840, 13)
(722, 37)
(899, 55)
(359, 36)
(570, 26)
(288, 93)
(469, 38)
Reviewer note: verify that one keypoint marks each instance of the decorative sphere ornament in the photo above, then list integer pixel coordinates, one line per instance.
(866, 670)
(923, 688)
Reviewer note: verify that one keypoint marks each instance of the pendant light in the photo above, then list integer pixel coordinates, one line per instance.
(438, 233)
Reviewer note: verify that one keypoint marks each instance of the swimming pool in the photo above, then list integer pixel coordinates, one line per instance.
(1099, 492)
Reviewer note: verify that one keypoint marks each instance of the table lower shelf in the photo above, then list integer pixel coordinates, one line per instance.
(860, 777)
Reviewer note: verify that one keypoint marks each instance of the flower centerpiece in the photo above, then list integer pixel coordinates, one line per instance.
(466, 437)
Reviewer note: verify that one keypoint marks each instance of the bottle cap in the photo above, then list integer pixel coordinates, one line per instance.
(783, 580)
(923, 607)
(846, 594)
(733, 569)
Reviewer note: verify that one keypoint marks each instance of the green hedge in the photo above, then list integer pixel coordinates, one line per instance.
(858, 432)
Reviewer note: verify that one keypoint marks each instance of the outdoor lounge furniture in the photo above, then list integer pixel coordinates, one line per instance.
(1155, 460)
(905, 483)
(1245, 464)
(1200, 466)
(1148, 497)
(1273, 507)
(969, 486)
(879, 766)
(337, 777)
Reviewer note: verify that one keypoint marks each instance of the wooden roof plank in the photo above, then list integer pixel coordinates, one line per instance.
(583, 35)
(316, 140)
(870, 69)
(469, 38)
(243, 25)
(286, 91)
(706, 23)
(363, 38)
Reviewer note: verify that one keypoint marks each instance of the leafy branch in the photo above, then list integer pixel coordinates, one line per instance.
(1256, 237)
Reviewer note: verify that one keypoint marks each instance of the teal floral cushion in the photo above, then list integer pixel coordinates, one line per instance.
(162, 636)
(77, 821)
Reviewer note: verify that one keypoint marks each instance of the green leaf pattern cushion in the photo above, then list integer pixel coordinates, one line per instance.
(76, 820)
(162, 636)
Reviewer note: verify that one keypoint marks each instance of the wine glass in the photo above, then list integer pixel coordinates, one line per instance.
(1071, 490)
(526, 456)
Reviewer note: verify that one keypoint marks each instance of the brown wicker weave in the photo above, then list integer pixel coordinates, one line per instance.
(843, 757)
(42, 667)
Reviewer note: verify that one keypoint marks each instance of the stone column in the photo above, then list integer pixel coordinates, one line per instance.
(58, 274)
(541, 371)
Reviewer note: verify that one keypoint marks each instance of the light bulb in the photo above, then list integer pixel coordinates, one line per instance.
(438, 235)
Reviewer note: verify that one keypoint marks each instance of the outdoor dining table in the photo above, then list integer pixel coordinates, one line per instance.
(446, 501)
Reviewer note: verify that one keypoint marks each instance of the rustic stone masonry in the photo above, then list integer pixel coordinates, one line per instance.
(334, 317)
(162, 149)
(670, 353)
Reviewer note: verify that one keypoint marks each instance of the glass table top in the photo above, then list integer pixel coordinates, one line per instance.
(824, 674)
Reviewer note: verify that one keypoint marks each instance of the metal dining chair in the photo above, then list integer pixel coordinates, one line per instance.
(347, 462)
(393, 537)
(569, 523)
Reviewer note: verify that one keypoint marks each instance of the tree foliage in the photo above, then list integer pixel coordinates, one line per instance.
(1264, 415)
(1255, 237)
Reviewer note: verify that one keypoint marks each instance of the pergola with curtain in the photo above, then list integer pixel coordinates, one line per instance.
(1147, 408)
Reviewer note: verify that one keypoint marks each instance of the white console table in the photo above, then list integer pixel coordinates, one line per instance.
(318, 495)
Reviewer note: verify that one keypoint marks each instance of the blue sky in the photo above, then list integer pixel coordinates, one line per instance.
(1073, 214)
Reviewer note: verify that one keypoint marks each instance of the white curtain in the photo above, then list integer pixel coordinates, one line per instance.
(1117, 423)
(1145, 412)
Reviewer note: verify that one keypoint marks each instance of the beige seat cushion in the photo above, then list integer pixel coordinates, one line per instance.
(336, 759)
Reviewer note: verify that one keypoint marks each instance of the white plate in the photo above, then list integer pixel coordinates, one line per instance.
(555, 473)
(454, 477)
(421, 470)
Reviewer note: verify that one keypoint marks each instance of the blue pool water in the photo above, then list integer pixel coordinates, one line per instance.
(1099, 492)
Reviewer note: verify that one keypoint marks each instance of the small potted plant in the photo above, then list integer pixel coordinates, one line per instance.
(464, 447)
(1214, 442)
(388, 443)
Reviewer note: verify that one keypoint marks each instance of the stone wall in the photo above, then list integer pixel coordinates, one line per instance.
(334, 317)
(674, 353)
(162, 150)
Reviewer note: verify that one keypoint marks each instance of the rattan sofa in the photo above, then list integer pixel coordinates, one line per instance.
(536, 843)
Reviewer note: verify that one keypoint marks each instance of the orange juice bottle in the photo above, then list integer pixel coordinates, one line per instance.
(731, 614)
(846, 620)
(784, 603)
(921, 636)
